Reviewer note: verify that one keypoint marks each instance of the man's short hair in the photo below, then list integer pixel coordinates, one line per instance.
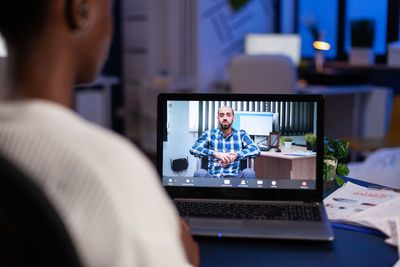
(233, 112)
(21, 18)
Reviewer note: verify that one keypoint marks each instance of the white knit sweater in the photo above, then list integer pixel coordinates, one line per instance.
(106, 192)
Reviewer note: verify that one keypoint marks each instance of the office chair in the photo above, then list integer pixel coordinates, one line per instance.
(263, 74)
(202, 163)
(366, 145)
(31, 231)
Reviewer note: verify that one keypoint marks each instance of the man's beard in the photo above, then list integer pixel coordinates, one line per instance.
(226, 126)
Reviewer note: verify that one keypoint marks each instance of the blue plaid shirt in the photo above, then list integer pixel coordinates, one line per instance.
(212, 141)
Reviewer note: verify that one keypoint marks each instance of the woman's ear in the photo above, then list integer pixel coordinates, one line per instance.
(77, 13)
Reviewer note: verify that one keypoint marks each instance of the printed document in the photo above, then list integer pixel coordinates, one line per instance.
(374, 208)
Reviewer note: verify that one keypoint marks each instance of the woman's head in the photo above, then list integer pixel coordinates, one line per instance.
(84, 26)
(21, 19)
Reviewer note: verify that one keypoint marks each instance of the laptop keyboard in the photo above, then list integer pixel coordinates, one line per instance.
(252, 211)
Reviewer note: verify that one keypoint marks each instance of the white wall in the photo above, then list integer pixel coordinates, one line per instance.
(180, 140)
(221, 34)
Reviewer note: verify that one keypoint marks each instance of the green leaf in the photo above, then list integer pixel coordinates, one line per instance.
(339, 181)
(341, 149)
(335, 148)
(342, 169)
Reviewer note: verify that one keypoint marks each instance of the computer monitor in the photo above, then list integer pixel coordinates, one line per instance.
(276, 44)
(254, 123)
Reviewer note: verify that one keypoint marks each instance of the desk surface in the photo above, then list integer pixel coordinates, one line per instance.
(349, 248)
(284, 152)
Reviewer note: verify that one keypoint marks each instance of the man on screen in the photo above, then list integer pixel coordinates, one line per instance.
(225, 147)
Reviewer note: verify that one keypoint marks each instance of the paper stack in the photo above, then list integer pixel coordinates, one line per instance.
(374, 208)
(302, 153)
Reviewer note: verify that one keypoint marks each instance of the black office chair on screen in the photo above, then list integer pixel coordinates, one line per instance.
(31, 231)
(202, 163)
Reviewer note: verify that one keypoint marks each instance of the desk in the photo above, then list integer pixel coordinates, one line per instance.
(278, 165)
(354, 110)
(348, 249)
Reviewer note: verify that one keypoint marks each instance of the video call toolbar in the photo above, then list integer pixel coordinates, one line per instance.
(239, 183)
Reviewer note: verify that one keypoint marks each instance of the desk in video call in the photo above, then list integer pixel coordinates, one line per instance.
(278, 165)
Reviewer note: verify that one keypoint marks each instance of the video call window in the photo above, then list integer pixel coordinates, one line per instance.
(194, 132)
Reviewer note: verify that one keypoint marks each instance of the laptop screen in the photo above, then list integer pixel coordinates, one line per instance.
(238, 141)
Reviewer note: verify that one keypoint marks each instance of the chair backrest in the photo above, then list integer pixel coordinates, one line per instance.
(31, 231)
(274, 74)
(394, 126)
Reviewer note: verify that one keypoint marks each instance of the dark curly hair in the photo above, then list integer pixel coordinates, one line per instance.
(22, 18)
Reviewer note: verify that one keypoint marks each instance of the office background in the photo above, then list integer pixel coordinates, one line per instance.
(188, 46)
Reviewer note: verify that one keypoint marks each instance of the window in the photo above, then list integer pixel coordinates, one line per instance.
(294, 118)
(368, 9)
(193, 116)
(324, 14)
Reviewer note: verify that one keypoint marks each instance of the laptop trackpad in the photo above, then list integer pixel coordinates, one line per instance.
(215, 224)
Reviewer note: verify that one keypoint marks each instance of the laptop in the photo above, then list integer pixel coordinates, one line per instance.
(272, 193)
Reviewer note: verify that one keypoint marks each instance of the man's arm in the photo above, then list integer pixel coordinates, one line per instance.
(200, 147)
(250, 150)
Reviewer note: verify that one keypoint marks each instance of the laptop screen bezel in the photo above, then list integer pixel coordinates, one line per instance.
(242, 193)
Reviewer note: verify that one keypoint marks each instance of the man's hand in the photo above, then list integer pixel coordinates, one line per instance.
(191, 247)
(233, 156)
(225, 158)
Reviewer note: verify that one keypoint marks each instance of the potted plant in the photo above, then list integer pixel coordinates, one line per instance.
(362, 40)
(238, 4)
(334, 150)
(288, 142)
(310, 141)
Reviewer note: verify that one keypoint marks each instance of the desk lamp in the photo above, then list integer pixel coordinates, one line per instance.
(320, 47)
